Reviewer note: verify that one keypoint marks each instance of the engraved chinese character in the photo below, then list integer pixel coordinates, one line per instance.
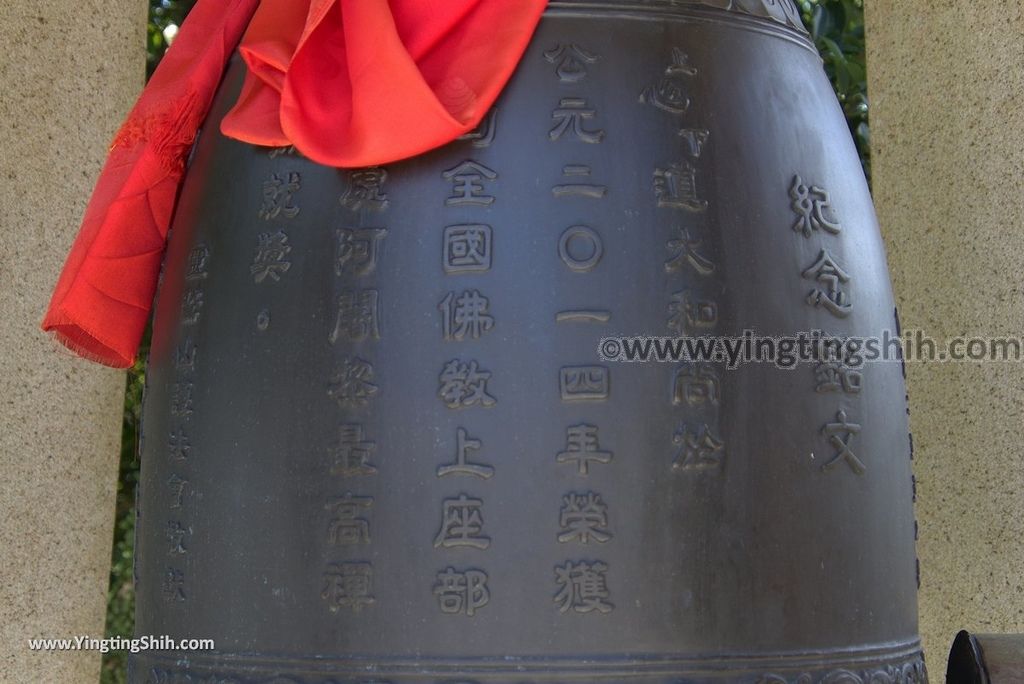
(835, 375)
(357, 316)
(269, 258)
(572, 113)
(813, 208)
(694, 139)
(687, 314)
(185, 356)
(346, 527)
(462, 524)
(196, 263)
(676, 187)
(700, 449)
(181, 399)
(462, 465)
(174, 585)
(357, 250)
(365, 190)
(191, 307)
(583, 383)
(483, 135)
(465, 315)
(582, 448)
(685, 250)
(176, 486)
(580, 248)
(583, 517)
(695, 385)
(571, 62)
(827, 272)
(348, 585)
(583, 587)
(352, 453)
(461, 592)
(351, 385)
(276, 152)
(467, 249)
(670, 93)
(176, 533)
(840, 434)
(467, 184)
(178, 445)
(277, 196)
(578, 173)
(463, 385)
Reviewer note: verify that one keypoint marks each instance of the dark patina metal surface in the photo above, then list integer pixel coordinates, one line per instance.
(380, 444)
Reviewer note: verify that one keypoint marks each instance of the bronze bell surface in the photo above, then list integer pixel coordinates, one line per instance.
(384, 442)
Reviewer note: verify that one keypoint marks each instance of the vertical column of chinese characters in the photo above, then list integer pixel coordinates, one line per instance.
(581, 584)
(834, 371)
(692, 310)
(270, 255)
(348, 580)
(178, 531)
(467, 249)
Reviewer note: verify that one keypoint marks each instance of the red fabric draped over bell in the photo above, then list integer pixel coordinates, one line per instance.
(350, 83)
(355, 83)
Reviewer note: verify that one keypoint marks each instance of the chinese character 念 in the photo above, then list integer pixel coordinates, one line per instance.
(826, 271)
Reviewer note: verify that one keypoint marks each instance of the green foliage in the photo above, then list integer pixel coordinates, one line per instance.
(837, 27)
(121, 594)
(162, 13)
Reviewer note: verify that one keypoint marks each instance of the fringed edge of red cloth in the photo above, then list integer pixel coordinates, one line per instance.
(349, 83)
(102, 299)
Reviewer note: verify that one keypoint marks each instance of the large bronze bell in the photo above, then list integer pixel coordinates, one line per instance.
(381, 443)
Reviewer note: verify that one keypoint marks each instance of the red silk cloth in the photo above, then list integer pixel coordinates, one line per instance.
(349, 83)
